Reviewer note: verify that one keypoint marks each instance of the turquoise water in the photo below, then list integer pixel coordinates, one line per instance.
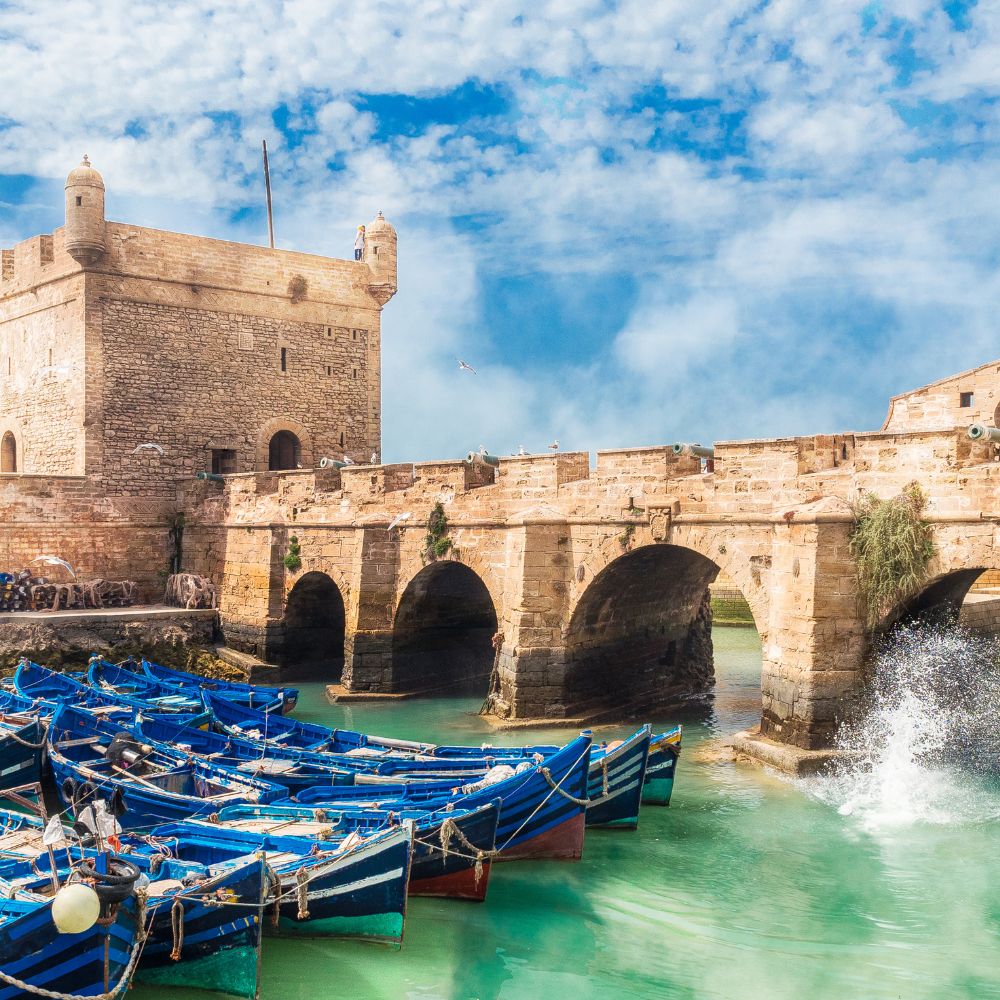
(748, 886)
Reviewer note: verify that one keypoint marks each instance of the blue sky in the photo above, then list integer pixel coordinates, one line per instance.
(640, 222)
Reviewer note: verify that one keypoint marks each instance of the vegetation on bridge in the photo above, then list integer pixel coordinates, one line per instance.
(892, 545)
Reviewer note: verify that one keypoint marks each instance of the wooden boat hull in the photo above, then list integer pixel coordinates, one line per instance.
(661, 766)
(32, 950)
(219, 948)
(21, 753)
(615, 782)
(535, 818)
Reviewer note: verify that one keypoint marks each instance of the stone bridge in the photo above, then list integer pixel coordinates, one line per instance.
(581, 587)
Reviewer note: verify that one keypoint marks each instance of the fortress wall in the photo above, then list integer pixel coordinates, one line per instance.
(70, 518)
(939, 405)
(41, 373)
(160, 256)
(193, 379)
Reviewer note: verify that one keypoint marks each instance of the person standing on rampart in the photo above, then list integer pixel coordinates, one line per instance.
(359, 244)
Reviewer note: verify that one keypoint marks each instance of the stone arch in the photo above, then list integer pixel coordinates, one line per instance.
(996, 416)
(746, 561)
(639, 632)
(274, 427)
(313, 628)
(962, 555)
(11, 459)
(442, 631)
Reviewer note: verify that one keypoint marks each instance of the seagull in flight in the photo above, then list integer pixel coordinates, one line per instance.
(555, 445)
(152, 446)
(399, 519)
(465, 366)
(55, 561)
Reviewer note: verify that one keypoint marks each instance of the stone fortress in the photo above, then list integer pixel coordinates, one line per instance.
(566, 587)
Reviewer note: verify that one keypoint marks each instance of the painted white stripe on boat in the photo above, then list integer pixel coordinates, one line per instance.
(16, 767)
(339, 890)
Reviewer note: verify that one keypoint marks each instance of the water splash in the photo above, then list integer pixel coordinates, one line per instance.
(927, 742)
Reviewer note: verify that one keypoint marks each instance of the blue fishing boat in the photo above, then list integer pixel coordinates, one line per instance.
(117, 681)
(542, 805)
(35, 955)
(22, 743)
(145, 786)
(617, 771)
(91, 963)
(203, 924)
(260, 697)
(293, 769)
(356, 887)
(452, 847)
(661, 766)
(40, 685)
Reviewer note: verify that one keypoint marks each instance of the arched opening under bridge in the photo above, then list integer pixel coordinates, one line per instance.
(641, 636)
(968, 596)
(443, 631)
(313, 640)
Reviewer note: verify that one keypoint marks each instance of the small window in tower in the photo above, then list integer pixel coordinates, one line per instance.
(329, 331)
(966, 399)
(355, 373)
(284, 359)
(79, 200)
(341, 439)
(354, 334)
(223, 461)
(329, 370)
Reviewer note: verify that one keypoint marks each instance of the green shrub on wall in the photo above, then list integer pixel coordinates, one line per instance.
(293, 557)
(892, 545)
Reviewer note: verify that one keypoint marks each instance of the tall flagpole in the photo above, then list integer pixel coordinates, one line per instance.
(267, 188)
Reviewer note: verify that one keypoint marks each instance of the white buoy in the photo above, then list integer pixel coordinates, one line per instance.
(75, 908)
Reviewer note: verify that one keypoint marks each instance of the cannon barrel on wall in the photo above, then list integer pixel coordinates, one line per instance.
(331, 463)
(696, 450)
(482, 458)
(982, 432)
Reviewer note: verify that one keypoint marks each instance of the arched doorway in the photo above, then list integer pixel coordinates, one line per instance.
(284, 452)
(641, 635)
(314, 621)
(8, 453)
(443, 631)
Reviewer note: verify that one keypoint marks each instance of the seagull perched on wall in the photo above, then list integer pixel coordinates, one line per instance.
(348, 460)
(374, 458)
(399, 519)
(150, 446)
(55, 561)
(464, 366)
(520, 450)
(555, 445)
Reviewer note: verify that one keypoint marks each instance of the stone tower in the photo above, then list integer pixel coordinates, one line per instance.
(85, 229)
(380, 255)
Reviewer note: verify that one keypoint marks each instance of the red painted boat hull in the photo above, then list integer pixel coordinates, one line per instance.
(561, 843)
(457, 885)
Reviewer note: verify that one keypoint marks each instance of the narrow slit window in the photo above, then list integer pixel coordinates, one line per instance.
(79, 200)
(284, 359)
(329, 370)
(355, 373)
(354, 335)
(341, 439)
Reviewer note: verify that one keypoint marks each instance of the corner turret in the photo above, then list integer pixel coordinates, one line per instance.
(85, 237)
(380, 256)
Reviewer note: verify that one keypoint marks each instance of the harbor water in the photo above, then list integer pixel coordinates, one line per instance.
(878, 884)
